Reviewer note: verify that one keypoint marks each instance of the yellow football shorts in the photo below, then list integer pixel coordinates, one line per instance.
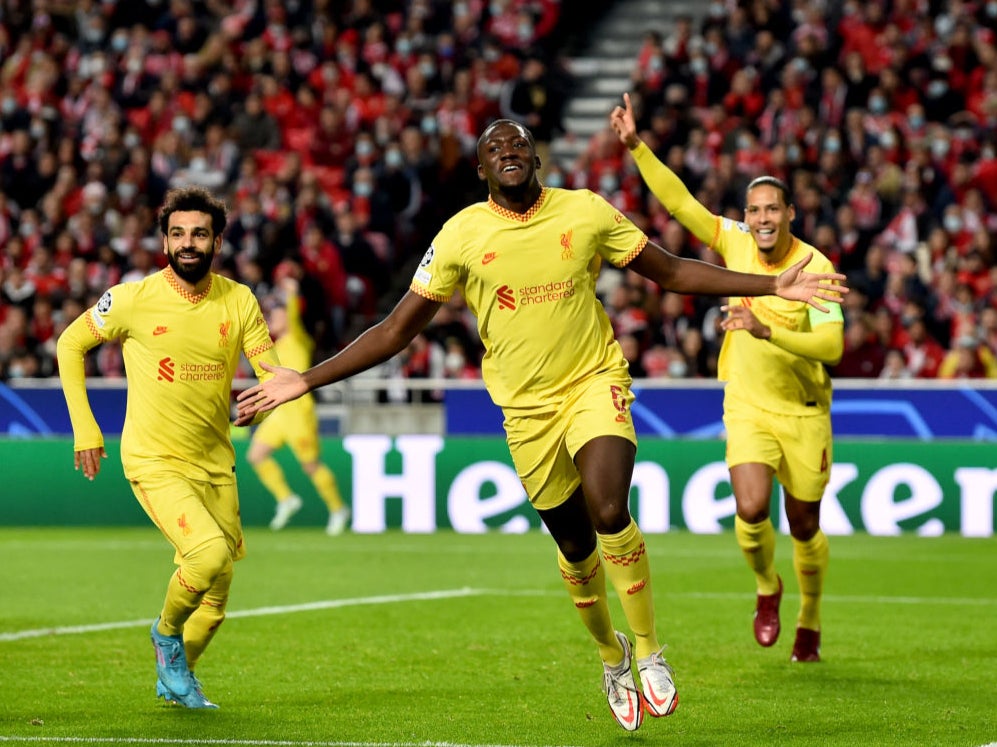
(797, 448)
(190, 512)
(543, 446)
(296, 427)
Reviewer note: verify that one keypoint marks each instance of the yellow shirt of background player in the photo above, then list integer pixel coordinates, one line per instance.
(181, 353)
(526, 293)
(759, 374)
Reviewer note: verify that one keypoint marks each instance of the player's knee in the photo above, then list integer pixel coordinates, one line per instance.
(804, 528)
(610, 517)
(752, 509)
(576, 549)
(206, 562)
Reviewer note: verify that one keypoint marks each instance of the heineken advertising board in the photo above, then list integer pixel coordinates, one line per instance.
(423, 483)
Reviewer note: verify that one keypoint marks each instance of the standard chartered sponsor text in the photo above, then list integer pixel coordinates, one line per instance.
(201, 371)
(552, 291)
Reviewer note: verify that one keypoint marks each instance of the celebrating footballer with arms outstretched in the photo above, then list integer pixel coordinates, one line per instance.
(526, 261)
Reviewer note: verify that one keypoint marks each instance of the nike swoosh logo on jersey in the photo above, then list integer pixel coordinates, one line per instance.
(159, 331)
(488, 258)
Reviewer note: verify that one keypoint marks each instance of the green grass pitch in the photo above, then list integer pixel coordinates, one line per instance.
(453, 640)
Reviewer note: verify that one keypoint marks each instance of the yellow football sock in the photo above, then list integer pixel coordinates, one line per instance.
(810, 560)
(325, 483)
(629, 570)
(207, 618)
(197, 573)
(757, 542)
(586, 585)
(272, 477)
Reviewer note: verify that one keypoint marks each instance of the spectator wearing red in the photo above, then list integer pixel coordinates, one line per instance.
(744, 101)
(705, 85)
(923, 354)
(650, 68)
(865, 202)
(859, 30)
(503, 23)
(48, 278)
(321, 259)
(777, 123)
(981, 100)
(864, 354)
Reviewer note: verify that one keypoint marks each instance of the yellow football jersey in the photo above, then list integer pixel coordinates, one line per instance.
(295, 349)
(181, 352)
(757, 372)
(530, 279)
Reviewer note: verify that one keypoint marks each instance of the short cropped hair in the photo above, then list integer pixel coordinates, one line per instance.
(770, 181)
(196, 199)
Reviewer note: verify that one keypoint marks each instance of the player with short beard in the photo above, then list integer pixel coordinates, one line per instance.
(183, 330)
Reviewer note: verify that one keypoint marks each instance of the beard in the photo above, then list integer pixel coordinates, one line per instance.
(192, 274)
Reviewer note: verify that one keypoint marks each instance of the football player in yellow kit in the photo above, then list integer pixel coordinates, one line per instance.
(295, 426)
(777, 399)
(182, 333)
(526, 261)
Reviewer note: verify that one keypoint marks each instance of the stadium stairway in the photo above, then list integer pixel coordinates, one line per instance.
(603, 65)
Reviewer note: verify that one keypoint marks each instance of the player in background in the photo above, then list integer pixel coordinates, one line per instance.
(777, 399)
(296, 425)
(183, 330)
(526, 262)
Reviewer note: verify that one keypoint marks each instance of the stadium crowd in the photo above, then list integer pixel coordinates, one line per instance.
(342, 135)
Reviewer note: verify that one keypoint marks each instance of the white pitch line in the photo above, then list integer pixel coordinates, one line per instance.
(329, 604)
(258, 612)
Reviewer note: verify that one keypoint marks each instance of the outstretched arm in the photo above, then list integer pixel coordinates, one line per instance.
(693, 276)
(376, 345)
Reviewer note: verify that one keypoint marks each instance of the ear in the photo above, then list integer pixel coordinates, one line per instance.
(481, 173)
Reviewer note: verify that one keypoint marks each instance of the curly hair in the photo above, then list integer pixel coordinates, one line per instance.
(195, 199)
